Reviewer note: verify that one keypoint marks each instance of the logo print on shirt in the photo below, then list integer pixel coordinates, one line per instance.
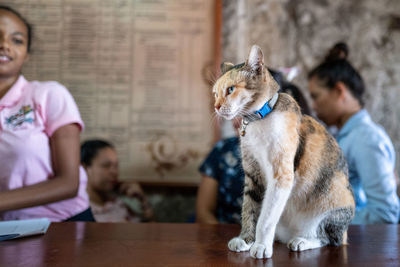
(20, 117)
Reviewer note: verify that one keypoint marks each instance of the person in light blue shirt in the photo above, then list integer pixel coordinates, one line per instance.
(371, 160)
(337, 89)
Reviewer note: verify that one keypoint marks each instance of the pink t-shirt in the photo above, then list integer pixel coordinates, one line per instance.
(113, 211)
(30, 113)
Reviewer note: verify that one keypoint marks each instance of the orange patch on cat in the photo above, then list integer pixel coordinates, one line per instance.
(219, 102)
(235, 93)
(314, 144)
(292, 121)
(339, 196)
(283, 163)
(342, 196)
(284, 176)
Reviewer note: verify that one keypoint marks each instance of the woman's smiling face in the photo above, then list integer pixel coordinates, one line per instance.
(13, 44)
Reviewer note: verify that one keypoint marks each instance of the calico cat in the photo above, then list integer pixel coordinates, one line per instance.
(296, 186)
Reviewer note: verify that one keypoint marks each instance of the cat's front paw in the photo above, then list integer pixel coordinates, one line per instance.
(237, 244)
(261, 251)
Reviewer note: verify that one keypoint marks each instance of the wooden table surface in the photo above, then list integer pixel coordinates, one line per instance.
(153, 244)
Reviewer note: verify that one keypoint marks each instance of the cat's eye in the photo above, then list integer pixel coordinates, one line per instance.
(231, 89)
(216, 94)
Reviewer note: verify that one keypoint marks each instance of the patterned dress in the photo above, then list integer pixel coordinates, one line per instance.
(224, 165)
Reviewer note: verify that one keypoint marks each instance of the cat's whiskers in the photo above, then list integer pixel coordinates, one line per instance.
(209, 75)
(215, 119)
(213, 77)
(244, 112)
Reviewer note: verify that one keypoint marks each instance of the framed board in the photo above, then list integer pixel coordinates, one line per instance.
(136, 70)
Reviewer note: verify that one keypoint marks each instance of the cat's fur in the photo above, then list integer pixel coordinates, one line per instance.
(296, 180)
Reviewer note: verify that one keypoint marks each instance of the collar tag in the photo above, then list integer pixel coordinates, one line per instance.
(244, 126)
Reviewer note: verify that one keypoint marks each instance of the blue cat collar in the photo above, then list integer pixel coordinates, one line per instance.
(268, 106)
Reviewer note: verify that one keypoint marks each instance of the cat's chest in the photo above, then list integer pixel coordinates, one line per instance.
(265, 136)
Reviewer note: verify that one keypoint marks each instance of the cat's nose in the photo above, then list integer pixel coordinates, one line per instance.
(217, 106)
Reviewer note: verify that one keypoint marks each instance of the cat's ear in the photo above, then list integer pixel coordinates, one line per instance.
(226, 66)
(256, 59)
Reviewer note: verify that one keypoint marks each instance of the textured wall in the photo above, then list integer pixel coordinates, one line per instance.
(299, 32)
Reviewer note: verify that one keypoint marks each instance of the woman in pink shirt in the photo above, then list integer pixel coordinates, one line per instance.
(40, 126)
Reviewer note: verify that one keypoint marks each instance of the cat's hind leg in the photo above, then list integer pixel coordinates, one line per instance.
(333, 227)
(300, 243)
(332, 230)
(298, 230)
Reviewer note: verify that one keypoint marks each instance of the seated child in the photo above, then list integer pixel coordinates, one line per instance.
(110, 199)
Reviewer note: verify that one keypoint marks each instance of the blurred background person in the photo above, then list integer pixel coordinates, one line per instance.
(111, 200)
(337, 90)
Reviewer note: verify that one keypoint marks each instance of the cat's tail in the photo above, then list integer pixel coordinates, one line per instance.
(334, 226)
(344, 242)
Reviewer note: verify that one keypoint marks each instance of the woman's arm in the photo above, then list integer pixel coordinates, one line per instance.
(64, 145)
(206, 203)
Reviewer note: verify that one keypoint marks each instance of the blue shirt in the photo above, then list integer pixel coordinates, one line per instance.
(224, 165)
(371, 159)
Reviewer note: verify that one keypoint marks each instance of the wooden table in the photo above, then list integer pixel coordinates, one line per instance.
(106, 244)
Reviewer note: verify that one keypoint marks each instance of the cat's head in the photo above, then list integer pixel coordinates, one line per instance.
(244, 88)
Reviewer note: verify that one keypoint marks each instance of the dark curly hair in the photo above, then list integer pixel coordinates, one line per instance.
(90, 148)
(336, 68)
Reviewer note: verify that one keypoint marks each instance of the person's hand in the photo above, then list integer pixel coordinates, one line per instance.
(131, 189)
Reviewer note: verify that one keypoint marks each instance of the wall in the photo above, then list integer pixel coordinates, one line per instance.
(299, 33)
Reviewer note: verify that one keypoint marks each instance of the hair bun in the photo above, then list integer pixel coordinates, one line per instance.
(338, 51)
